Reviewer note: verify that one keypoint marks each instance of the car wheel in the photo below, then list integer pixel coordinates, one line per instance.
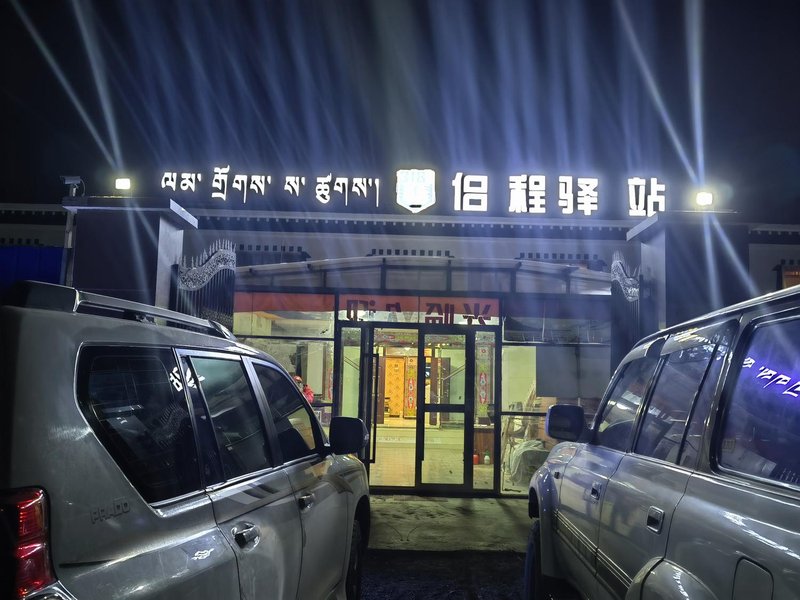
(353, 581)
(535, 584)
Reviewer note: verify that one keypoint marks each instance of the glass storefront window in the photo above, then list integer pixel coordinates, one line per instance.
(283, 314)
(350, 371)
(571, 319)
(483, 460)
(524, 447)
(535, 378)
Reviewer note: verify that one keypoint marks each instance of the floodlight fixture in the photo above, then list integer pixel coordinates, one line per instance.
(122, 183)
(704, 198)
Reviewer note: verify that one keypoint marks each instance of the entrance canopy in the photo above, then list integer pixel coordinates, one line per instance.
(440, 274)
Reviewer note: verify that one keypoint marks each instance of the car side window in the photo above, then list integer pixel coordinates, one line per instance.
(670, 403)
(697, 421)
(294, 423)
(235, 415)
(761, 424)
(210, 460)
(128, 397)
(615, 425)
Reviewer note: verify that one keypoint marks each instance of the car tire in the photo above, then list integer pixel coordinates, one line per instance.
(354, 565)
(535, 585)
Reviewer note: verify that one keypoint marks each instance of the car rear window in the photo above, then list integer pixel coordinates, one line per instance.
(761, 425)
(132, 400)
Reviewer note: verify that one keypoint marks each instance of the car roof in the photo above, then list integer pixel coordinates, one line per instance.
(186, 329)
(765, 302)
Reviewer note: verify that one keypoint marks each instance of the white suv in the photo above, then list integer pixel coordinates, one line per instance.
(688, 483)
(146, 454)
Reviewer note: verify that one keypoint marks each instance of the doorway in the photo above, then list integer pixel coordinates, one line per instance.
(426, 395)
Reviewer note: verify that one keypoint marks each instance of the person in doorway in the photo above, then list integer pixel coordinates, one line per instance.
(298, 382)
(306, 390)
(308, 393)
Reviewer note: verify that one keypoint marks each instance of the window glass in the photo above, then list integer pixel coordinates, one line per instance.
(310, 362)
(616, 423)
(694, 434)
(133, 400)
(668, 409)
(235, 415)
(761, 426)
(283, 314)
(210, 461)
(534, 377)
(293, 421)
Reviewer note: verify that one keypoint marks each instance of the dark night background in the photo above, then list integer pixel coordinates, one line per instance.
(363, 88)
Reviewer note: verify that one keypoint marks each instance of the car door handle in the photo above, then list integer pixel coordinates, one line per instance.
(655, 518)
(246, 534)
(306, 501)
(594, 493)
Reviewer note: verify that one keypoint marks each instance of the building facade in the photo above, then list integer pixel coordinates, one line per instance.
(449, 337)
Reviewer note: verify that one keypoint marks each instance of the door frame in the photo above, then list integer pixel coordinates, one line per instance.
(367, 401)
(467, 409)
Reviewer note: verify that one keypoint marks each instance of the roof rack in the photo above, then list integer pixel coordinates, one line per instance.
(49, 296)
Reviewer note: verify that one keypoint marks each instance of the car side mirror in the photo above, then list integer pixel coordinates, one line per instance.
(565, 422)
(348, 435)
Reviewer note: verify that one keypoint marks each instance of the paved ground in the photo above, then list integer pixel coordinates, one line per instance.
(449, 524)
(428, 575)
(445, 548)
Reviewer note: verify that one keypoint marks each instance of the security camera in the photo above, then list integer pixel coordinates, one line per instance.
(73, 181)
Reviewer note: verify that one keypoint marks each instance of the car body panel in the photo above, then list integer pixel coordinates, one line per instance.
(635, 519)
(583, 485)
(544, 498)
(322, 497)
(105, 540)
(668, 581)
(269, 564)
(728, 530)
(721, 521)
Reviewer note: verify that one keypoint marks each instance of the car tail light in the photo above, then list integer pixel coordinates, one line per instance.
(23, 516)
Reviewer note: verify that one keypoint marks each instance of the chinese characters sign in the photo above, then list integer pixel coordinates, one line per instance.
(419, 309)
(415, 192)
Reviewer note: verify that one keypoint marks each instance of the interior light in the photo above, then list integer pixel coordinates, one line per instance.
(122, 183)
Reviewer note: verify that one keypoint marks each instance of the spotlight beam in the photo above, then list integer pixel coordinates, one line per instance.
(48, 56)
(655, 93)
(741, 271)
(694, 48)
(98, 74)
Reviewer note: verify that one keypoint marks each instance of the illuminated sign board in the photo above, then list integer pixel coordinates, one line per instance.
(419, 309)
(415, 192)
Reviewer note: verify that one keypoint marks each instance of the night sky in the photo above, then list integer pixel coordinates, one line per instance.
(694, 93)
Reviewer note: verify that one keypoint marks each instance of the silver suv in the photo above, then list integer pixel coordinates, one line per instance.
(147, 454)
(688, 483)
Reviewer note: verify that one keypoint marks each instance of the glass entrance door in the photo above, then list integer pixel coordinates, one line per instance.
(393, 399)
(427, 398)
(456, 423)
(444, 401)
